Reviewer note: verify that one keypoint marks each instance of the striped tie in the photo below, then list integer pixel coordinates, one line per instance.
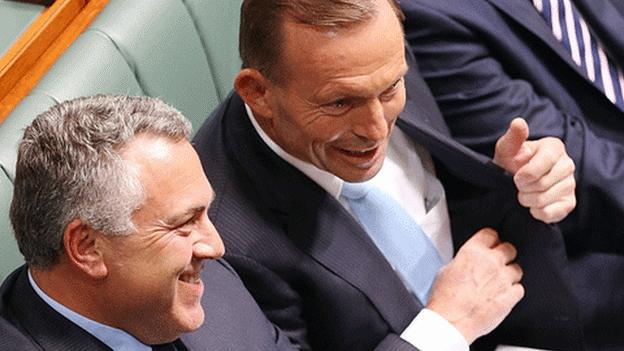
(571, 30)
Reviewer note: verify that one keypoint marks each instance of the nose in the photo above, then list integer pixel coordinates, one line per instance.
(208, 244)
(371, 123)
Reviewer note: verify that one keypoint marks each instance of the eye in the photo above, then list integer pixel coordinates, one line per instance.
(186, 226)
(389, 93)
(336, 107)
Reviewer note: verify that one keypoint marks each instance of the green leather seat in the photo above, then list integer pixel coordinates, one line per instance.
(15, 17)
(164, 51)
(218, 23)
(91, 65)
(10, 256)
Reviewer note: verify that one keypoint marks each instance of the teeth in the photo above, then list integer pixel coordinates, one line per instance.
(190, 278)
(358, 152)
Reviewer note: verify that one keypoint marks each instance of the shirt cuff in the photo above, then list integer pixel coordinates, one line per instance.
(429, 331)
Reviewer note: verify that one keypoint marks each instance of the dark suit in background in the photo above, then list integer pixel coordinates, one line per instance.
(233, 320)
(316, 273)
(489, 61)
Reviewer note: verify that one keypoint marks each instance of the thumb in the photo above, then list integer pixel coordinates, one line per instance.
(511, 152)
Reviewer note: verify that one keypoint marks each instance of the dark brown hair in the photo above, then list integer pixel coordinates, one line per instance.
(261, 25)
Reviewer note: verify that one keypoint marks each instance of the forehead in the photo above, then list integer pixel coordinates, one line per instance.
(170, 173)
(365, 54)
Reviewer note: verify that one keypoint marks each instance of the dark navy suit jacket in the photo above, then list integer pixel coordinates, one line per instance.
(233, 319)
(489, 61)
(316, 273)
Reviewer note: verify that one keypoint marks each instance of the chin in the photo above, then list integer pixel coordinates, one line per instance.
(358, 175)
(357, 178)
(193, 320)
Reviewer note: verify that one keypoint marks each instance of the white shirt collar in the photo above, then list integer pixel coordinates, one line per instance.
(326, 180)
(114, 338)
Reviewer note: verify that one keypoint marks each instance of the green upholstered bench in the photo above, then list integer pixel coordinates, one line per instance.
(182, 51)
(9, 255)
(15, 17)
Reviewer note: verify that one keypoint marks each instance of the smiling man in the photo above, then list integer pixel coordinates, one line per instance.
(110, 212)
(355, 219)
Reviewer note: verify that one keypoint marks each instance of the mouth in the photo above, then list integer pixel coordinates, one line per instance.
(360, 157)
(190, 277)
(366, 153)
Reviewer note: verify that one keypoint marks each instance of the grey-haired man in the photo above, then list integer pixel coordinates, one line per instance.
(110, 212)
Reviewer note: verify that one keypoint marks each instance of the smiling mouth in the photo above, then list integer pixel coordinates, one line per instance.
(190, 277)
(360, 153)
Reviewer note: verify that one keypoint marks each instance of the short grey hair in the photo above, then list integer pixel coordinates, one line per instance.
(69, 167)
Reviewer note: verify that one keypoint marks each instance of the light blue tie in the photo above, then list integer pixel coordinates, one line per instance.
(397, 235)
(572, 31)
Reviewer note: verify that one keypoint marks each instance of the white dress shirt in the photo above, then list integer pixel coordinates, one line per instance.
(407, 175)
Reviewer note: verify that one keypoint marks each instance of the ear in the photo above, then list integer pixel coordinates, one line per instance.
(256, 90)
(82, 249)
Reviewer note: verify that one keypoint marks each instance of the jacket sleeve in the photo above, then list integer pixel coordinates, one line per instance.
(479, 97)
(283, 306)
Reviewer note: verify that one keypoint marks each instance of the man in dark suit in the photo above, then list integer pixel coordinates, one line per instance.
(110, 212)
(489, 61)
(322, 86)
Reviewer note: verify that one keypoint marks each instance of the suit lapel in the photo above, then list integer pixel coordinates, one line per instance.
(423, 122)
(336, 241)
(46, 327)
(317, 223)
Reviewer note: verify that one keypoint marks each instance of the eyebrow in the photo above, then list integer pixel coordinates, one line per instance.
(403, 72)
(182, 218)
(347, 94)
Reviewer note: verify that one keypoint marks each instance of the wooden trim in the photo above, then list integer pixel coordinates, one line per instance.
(35, 40)
(32, 55)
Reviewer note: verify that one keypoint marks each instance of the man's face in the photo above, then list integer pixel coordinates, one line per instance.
(153, 280)
(340, 94)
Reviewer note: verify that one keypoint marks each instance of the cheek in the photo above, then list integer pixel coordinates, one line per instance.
(394, 107)
(316, 137)
(168, 262)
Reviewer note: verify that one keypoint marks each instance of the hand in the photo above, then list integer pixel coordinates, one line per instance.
(543, 172)
(479, 287)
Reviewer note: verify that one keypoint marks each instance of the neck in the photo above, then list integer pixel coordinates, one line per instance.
(71, 288)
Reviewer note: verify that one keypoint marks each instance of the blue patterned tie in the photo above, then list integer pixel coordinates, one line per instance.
(397, 235)
(569, 27)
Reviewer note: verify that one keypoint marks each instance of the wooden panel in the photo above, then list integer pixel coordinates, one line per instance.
(35, 40)
(40, 46)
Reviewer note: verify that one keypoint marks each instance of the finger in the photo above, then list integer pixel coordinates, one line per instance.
(556, 193)
(486, 237)
(563, 168)
(509, 146)
(555, 212)
(506, 251)
(514, 272)
(546, 153)
(511, 296)
(516, 293)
